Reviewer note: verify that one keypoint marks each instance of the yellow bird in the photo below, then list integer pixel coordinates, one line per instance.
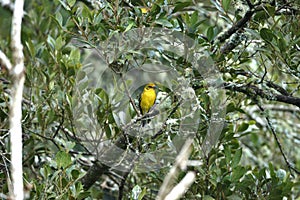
(147, 99)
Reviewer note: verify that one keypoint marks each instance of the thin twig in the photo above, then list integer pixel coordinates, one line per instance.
(165, 123)
(265, 71)
(130, 97)
(151, 114)
(60, 125)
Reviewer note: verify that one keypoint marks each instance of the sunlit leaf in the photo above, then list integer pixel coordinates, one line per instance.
(63, 159)
(226, 4)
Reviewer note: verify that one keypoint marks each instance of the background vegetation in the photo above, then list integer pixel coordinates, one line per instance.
(255, 46)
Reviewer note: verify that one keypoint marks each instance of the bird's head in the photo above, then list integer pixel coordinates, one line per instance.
(150, 86)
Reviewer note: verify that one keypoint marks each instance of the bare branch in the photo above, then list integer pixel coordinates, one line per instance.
(3, 196)
(4, 61)
(16, 45)
(8, 4)
(179, 190)
(15, 115)
(180, 164)
(278, 88)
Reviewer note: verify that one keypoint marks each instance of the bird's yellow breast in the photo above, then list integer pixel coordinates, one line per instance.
(147, 99)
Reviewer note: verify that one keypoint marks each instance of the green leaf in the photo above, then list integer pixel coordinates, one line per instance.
(252, 122)
(64, 5)
(164, 23)
(272, 171)
(71, 2)
(45, 171)
(227, 152)
(260, 16)
(75, 174)
(237, 157)
(142, 194)
(59, 43)
(208, 197)
(230, 107)
(226, 4)
(194, 18)
(234, 197)
(270, 10)
(63, 159)
(75, 55)
(86, 13)
(238, 173)
(282, 45)
(30, 48)
(210, 33)
(51, 42)
(50, 116)
(129, 27)
(179, 6)
(59, 19)
(69, 145)
(267, 34)
(83, 195)
(107, 131)
(244, 126)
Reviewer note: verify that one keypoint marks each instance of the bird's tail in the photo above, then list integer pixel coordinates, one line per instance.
(145, 120)
(148, 116)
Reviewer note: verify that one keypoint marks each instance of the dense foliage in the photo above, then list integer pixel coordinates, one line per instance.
(253, 48)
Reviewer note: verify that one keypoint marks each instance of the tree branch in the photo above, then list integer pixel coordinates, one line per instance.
(252, 90)
(8, 4)
(165, 191)
(93, 174)
(278, 88)
(4, 61)
(15, 115)
(230, 45)
(179, 190)
(240, 24)
(98, 169)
